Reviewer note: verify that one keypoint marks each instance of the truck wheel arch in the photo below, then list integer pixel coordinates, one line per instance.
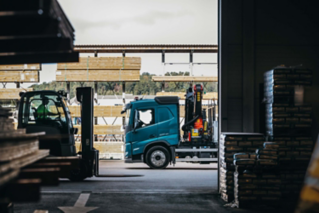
(156, 143)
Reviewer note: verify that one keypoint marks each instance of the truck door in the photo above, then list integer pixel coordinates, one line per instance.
(168, 125)
(145, 129)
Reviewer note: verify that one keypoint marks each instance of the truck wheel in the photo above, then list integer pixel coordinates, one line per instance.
(157, 157)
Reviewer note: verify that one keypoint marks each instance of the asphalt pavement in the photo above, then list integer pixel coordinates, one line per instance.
(181, 188)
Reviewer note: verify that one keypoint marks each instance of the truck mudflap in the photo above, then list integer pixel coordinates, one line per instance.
(173, 158)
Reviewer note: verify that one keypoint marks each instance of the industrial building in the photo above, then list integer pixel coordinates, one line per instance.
(250, 146)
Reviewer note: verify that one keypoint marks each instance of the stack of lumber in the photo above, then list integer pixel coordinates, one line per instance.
(230, 144)
(27, 73)
(35, 31)
(100, 69)
(12, 93)
(285, 112)
(17, 151)
(289, 124)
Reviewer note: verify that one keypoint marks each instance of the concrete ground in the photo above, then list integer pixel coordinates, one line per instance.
(183, 188)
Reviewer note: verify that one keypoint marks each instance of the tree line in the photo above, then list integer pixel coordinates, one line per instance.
(144, 87)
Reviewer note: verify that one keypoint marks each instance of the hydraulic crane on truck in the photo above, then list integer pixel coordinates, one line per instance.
(46, 111)
(156, 141)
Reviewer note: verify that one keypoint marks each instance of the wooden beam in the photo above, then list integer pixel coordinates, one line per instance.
(99, 111)
(185, 78)
(104, 129)
(103, 63)
(19, 76)
(181, 95)
(20, 67)
(97, 75)
(9, 94)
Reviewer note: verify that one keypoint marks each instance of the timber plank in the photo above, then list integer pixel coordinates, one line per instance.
(20, 67)
(97, 75)
(181, 95)
(12, 93)
(103, 63)
(99, 111)
(185, 78)
(103, 129)
(11, 151)
(19, 76)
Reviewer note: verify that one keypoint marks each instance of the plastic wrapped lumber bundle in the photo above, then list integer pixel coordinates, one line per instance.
(230, 144)
(256, 186)
(280, 84)
(283, 119)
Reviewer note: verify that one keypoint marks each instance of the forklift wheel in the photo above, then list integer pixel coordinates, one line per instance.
(76, 175)
(157, 157)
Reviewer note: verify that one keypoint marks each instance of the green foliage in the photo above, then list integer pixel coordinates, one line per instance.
(144, 87)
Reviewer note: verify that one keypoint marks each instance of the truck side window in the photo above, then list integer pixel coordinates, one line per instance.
(164, 114)
(146, 117)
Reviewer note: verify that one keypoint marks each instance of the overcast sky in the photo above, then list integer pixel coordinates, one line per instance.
(144, 22)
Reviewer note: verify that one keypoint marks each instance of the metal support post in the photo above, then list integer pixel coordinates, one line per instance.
(68, 91)
(163, 86)
(96, 101)
(191, 62)
(163, 61)
(123, 92)
(4, 85)
(95, 53)
(18, 84)
(123, 54)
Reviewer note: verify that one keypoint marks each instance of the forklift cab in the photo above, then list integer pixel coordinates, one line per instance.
(46, 111)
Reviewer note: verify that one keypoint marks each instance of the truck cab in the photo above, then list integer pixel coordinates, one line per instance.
(152, 131)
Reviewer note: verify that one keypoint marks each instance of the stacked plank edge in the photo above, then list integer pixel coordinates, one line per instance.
(100, 69)
(17, 150)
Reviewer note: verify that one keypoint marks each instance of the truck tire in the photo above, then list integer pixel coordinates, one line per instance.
(157, 157)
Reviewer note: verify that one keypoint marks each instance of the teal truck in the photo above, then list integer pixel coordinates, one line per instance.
(153, 133)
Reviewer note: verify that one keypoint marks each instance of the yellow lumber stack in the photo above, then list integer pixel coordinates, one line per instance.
(100, 69)
(99, 111)
(185, 78)
(9, 94)
(20, 67)
(103, 129)
(181, 95)
(19, 76)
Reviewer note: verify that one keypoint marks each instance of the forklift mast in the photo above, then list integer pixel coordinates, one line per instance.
(85, 96)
